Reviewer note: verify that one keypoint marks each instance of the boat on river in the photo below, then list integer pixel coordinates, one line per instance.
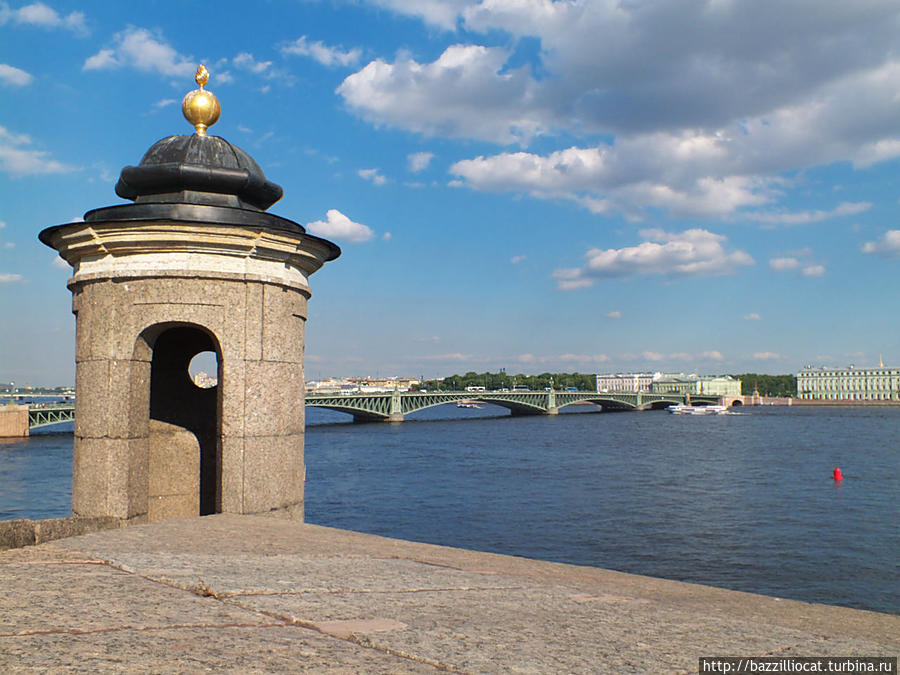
(687, 409)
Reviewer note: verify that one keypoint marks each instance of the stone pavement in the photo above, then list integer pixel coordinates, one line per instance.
(244, 594)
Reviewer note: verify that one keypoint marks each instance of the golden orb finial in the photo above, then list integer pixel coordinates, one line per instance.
(200, 107)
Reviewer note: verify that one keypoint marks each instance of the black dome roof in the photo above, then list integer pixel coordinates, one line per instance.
(194, 169)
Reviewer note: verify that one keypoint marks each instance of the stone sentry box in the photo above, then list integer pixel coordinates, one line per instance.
(195, 264)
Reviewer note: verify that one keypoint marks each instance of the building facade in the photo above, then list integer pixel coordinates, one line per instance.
(849, 384)
(625, 382)
(724, 385)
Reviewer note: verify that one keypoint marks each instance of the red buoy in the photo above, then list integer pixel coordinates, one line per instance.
(837, 474)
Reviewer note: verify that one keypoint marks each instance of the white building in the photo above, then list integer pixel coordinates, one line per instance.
(628, 383)
(849, 384)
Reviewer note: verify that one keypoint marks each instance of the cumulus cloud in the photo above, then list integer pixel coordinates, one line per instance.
(889, 244)
(462, 94)
(516, 259)
(702, 106)
(144, 50)
(10, 278)
(766, 356)
(441, 13)
(245, 61)
(695, 252)
(813, 270)
(615, 314)
(807, 268)
(14, 76)
(39, 15)
(339, 226)
(17, 159)
(372, 175)
(318, 51)
(419, 161)
(784, 264)
(752, 316)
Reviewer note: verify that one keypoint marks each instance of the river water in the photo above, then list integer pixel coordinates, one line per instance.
(741, 501)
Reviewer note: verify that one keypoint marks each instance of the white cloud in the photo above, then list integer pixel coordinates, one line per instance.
(807, 268)
(372, 175)
(17, 160)
(387, 236)
(339, 226)
(10, 278)
(752, 316)
(516, 259)
(14, 76)
(327, 56)
(40, 15)
(672, 173)
(813, 270)
(702, 106)
(440, 13)
(889, 244)
(695, 252)
(60, 263)
(419, 161)
(784, 264)
(766, 356)
(615, 314)
(141, 49)
(462, 94)
(245, 61)
(712, 355)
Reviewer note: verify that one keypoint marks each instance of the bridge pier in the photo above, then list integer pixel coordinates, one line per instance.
(552, 411)
(13, 421)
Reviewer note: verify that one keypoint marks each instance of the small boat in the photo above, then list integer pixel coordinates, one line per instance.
(686, 409)
(468, 404)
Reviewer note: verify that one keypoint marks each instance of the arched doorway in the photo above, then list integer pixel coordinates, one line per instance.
(185, 421)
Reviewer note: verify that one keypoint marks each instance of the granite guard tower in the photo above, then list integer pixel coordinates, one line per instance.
(195, 264)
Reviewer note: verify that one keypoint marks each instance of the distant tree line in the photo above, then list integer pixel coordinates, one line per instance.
(502, 380)
(768, 385)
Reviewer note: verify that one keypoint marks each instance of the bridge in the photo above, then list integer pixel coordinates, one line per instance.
(47, 415)
(394, 406)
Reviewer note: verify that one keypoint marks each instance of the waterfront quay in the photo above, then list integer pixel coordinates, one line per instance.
(237, 594)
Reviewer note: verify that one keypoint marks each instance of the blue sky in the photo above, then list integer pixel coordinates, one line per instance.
(698, 186)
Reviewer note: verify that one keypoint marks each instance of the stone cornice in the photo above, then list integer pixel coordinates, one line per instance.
(112, 249)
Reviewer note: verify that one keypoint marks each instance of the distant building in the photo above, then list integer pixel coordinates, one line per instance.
(365, 385)
(205, 381)
(723, 385)
(625, 382)
(849, 384)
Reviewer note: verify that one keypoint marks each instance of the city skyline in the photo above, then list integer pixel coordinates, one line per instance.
(538, 186)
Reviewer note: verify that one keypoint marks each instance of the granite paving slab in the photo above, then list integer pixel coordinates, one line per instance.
(227, 649)
(265, 594)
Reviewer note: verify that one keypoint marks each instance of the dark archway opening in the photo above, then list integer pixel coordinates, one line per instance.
(177, 401)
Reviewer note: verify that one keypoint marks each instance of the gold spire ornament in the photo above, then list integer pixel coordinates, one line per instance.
(200, 107)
